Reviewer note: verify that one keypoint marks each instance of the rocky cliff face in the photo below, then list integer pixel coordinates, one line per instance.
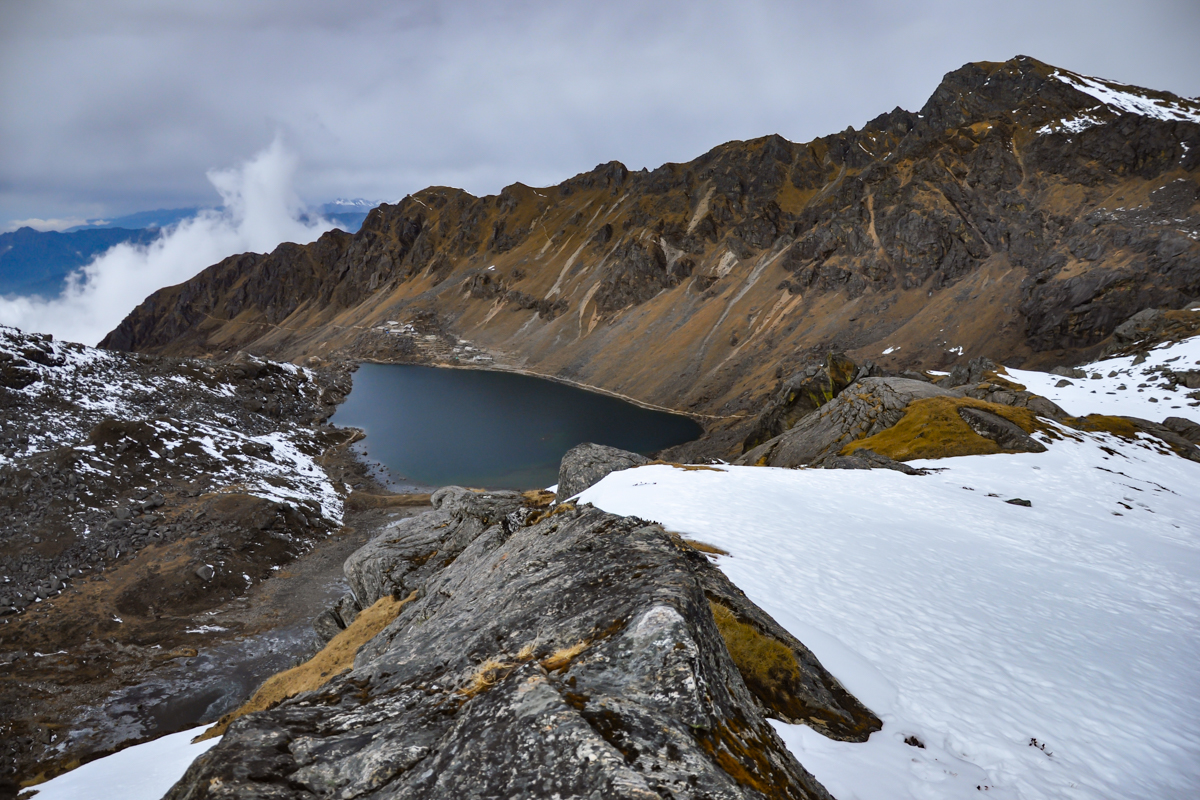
(1022, 214)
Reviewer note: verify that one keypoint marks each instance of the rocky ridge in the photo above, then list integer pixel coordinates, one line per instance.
(1022, 213)
(598, 669)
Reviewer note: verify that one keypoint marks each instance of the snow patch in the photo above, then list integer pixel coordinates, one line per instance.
(143, 772)
(1118, 386)
(1130, 100)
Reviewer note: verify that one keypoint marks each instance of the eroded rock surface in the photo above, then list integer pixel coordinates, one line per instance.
(586, 465)
(863, 409)
(568, 654)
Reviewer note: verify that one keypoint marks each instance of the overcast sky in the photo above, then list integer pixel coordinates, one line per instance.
(123, 105)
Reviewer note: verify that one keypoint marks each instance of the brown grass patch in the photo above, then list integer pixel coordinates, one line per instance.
(770, 671)
(932, 428)
(561, 508)
(1102, 423)
(487, 675)
(538, 498)
(362, 501)
(562, 657)
(688, 467)
(1002, 380)
(705, 547)
(761, 659)
(335, 658)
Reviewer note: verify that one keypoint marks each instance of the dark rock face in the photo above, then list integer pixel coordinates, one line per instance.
(638, 272)
(586, 465)
(139, 495)
(865, 458)
(861, 410)
(803, 393)
(407, 555)
(972, 373)
(1000, 431)
(1184, 427)
(576, 656)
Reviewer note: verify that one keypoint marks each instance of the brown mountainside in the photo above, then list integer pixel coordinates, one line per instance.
(1022, 214)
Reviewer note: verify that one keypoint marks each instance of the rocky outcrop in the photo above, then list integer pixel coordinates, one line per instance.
(1007, 435)
(863, 409)
(1151, 326)
(1184, 427)
(586, 465)
(805, 392)
(573, 653)
(1017, 216)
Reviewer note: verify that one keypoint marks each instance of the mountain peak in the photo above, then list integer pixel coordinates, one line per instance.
(1026, 91)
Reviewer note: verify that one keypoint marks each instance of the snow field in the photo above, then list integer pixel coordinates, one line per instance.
(1144, 393)
(142, 772)
(975, 625)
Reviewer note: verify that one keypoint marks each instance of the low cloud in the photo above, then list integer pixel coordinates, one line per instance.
(43, 224)
(261, 210)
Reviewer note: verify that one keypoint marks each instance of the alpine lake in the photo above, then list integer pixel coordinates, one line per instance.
(431, 426)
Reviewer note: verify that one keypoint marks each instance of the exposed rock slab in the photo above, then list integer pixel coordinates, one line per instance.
(574, 657)
(1004, 433)
(586, 465)
(863, 409)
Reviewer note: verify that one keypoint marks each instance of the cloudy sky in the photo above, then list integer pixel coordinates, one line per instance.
(124, 105)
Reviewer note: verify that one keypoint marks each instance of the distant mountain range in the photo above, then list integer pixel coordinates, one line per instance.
(38, 262)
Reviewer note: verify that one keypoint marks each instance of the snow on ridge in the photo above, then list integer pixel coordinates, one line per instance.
(99, 384)
(1129, 99)
(1071, 125)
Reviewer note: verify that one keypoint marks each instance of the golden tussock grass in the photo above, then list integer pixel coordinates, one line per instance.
(688, 467)
(561, 508)
(538, 498)
(705, 547)
(336, 657)
(932, 428)
(764, 662)
(562, 657)
(487, 675)
(1102, 423)
(362, 501)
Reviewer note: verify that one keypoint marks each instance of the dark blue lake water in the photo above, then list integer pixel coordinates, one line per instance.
(493, 430)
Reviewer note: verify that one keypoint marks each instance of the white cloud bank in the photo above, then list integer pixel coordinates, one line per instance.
(261, 210)
(43, 224)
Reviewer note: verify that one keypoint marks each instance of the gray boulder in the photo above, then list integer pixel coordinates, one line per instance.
(408, 552)
(863, 409)
(1004, 433)
(970, 374)
(1184, 427)
(865, 458)
(586, 465)
(574, 657)
(1142, 325)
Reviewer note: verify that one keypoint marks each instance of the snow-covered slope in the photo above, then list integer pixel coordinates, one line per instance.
(143, 772)
(1046, 651)
(1132, 99)
(1119, 386)
(982, 628)
(1117, 98)
(65, 389)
